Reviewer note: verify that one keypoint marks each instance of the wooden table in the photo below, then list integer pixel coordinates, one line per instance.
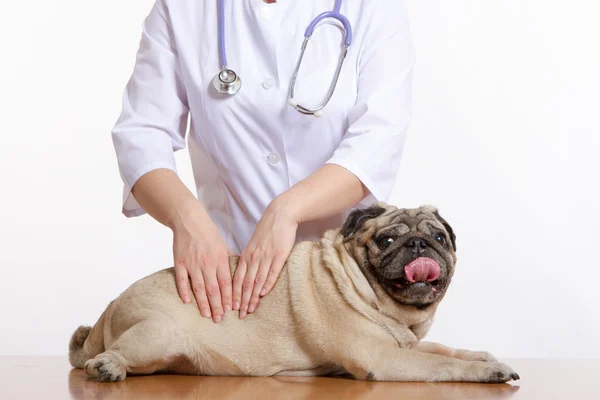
(52, 378)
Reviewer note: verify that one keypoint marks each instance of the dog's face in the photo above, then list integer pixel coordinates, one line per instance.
(410, 253)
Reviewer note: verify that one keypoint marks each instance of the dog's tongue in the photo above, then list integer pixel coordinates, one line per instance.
(423, 269)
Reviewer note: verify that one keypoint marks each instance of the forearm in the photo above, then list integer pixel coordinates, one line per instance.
(164, 197)
(329, 191)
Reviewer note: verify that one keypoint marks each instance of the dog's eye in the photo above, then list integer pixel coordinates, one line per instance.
(440, 238)
(385, 242)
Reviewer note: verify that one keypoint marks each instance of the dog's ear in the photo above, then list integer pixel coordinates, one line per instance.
(448, 228)
(358, 217)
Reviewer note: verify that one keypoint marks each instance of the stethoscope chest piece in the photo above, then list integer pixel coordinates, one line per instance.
(227, 82)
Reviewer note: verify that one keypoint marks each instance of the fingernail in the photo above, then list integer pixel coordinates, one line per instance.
(186, 299)
(206, 313)
(251, 308)
(263, 292)
(242, 314)
(218, 318)
(236, 305)
(227, 307)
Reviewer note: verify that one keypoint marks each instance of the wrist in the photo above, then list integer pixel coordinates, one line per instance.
(288, 205)
(188, 209)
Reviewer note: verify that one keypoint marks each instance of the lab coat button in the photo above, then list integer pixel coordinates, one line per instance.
(266, 13)
(273, 158)
(269, 83)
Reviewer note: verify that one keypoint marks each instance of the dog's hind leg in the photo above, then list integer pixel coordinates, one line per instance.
(145, 348)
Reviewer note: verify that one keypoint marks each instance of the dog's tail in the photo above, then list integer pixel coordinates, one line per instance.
(76, 353)
(86, 343)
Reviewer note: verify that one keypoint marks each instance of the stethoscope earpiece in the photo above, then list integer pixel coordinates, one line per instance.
(302, 110)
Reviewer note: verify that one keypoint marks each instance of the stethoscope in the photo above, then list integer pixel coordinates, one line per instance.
(227, 82)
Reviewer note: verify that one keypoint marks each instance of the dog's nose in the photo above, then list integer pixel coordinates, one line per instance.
(417, 245)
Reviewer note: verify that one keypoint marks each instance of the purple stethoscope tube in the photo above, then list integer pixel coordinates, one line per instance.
(228, 82)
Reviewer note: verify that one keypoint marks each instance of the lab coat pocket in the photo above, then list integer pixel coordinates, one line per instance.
(322, 134)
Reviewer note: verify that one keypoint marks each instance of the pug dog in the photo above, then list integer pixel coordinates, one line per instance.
(356, 303)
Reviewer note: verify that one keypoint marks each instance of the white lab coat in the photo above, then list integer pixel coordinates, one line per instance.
(247, 149)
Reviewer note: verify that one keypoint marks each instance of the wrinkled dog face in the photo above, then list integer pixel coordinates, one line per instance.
(410, 252)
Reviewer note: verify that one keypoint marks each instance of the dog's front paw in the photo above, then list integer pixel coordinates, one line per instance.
(483, 356)
(106, 368)
(468, 355)
(495, 372)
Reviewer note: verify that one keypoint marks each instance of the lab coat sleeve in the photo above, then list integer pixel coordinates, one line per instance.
(153, 119)
(373, 143)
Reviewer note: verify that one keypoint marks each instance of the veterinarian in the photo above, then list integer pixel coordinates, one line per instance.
(276, 155)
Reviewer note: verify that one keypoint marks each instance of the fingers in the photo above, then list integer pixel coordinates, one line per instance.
(254, 280)
(248, 285)
(259, 281)
(200, 292)
(213, 292)
(276, 267)
(202, 257)
(238, 280)
(182, 282)
(224, 280)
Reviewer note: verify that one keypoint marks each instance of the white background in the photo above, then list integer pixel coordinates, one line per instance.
(504, 140)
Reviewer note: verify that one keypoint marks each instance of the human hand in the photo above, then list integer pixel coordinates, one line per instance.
(263, 258)
(201, 253)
